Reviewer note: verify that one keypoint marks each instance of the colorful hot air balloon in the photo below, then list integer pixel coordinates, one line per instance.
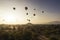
(42, 11)
(14, 8)
(26, 8)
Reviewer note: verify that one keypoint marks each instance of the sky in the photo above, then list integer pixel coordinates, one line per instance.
(51, 10)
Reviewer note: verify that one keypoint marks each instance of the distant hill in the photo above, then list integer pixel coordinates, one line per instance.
(54, 22)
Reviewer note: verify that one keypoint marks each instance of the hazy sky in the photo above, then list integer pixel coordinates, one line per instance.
(51, 10)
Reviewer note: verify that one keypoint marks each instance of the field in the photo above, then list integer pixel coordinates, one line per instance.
(30, 32)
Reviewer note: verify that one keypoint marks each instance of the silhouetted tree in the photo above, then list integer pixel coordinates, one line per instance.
(53, 39)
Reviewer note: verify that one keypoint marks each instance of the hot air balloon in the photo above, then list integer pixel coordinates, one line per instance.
(26, 8)
(34, 14)
(34, 9)
(28, 20)
(42, 11)
(14, 8)
(26, 13)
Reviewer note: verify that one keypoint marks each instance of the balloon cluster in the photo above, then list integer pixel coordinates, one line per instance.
(42, 11)
(26, 8)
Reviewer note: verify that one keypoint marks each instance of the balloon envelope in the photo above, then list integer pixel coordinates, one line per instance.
(14, 8)
(34, 9)
(42, 11)
(26, 13)
(26, 8)
(28, 19)
(34, 14)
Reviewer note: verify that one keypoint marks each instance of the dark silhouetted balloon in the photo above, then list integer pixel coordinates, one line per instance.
(26, 13)
(34, 14)
(34, 9)
(26, 8)
(28, 20)
(42, 11)
(14, 8)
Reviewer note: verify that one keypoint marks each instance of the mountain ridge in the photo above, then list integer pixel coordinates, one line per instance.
(54, 22)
